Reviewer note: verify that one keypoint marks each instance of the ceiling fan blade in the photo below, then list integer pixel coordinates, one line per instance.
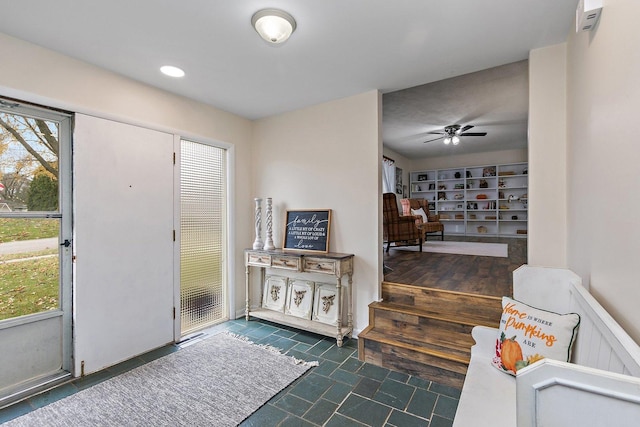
(431, 140)
(435, 132)
(464, 129)
(474, 134)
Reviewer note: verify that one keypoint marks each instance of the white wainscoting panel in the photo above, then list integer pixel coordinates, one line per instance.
(559, 394)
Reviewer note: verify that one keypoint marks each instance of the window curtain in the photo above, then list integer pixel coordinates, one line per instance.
(388, 175)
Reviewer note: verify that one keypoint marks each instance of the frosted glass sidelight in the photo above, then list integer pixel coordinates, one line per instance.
(203, 291)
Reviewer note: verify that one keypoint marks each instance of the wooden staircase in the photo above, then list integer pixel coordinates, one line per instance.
(425, 332)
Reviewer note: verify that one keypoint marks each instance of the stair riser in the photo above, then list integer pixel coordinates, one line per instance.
(423, 329)
(428, 367)
(458, 304)
(389, 352)
(446, 349)
(425, 297)
(456, 324)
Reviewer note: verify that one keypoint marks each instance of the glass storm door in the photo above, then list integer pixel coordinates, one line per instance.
(35, 249)
(203, 284)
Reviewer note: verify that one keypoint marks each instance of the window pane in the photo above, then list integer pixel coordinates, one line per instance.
(28, 163)
(29, 266)
(202, 225)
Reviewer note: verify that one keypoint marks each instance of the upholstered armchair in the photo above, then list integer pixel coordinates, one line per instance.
(433, 224)
(398, 229)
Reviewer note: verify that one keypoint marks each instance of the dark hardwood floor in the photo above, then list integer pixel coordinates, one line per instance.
(464, 273)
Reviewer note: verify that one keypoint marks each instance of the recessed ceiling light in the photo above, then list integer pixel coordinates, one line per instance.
(172, 71)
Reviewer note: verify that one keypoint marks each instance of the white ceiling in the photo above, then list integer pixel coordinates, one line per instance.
(340, 48)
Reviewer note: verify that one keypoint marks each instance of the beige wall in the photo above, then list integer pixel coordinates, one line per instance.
(603, 68)
(547, 242)
(328, 156)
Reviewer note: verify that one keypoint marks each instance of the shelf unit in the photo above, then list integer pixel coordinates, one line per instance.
(489, 200)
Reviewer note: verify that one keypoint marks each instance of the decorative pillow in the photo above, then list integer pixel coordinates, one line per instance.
(420, 212)
(528, 334)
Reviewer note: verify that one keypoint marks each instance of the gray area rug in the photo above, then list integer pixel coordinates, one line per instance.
(218, 381)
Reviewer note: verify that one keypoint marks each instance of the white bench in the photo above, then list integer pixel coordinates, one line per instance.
(600, 388)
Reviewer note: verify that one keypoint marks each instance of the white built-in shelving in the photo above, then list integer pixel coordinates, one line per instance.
(490, 200)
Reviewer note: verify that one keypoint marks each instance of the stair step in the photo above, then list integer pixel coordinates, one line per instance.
(422, 329)
(427, 363)
(425, 331)
(455, 318)
(445, 351)
(449, 303)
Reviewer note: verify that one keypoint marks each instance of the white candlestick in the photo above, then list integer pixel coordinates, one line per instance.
(257, 244)
(268, 244)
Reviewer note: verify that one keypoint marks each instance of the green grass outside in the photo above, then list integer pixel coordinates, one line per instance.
(29, 286)
(15, 229)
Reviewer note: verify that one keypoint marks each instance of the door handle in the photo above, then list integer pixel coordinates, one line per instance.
(66, 243)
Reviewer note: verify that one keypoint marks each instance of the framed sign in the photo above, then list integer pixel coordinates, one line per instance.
(307, 230)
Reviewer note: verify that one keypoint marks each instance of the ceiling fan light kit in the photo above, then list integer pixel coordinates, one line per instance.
(452, 134)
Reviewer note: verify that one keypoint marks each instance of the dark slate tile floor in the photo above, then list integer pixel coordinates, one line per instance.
(341, 392)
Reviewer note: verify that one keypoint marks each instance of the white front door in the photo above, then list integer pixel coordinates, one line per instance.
(123, 186)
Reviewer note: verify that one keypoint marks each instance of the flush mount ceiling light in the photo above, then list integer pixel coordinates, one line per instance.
(273, 25)
(171, 71)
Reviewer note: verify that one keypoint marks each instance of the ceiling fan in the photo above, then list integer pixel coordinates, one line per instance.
(452, 134)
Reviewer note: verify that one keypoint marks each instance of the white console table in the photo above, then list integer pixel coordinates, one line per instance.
(336, 265)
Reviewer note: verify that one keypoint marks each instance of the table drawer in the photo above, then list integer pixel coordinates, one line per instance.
(320, 266)
(259, 260)
(289, 263)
